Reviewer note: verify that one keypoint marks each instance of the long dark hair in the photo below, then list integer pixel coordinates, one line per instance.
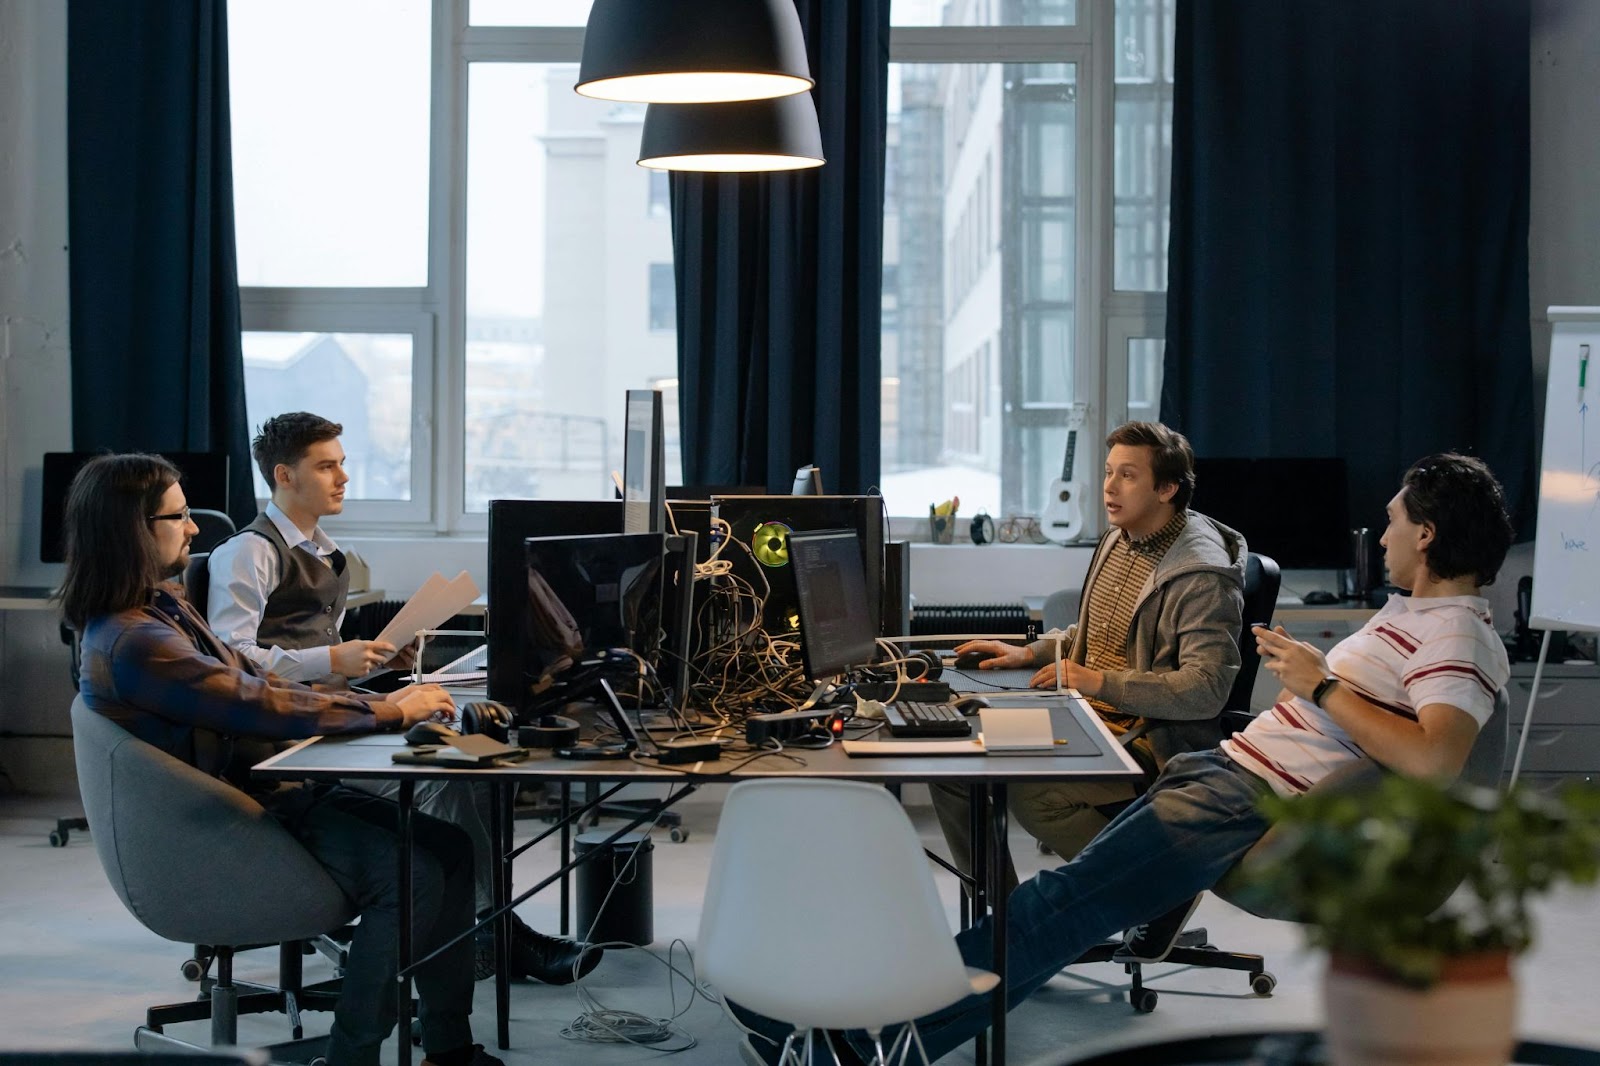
(112, 560)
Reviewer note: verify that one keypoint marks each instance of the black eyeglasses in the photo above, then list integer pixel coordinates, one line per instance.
(175, 516)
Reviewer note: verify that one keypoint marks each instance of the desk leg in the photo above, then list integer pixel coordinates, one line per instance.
(499, 832)
(403, 979)
(999, 844)
(982, 863)
(566, 858)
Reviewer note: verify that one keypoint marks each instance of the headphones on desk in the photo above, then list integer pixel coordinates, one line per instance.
(491, 719)
(549, 731)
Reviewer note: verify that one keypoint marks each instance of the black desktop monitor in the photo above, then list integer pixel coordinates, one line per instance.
(705, 492)
(1295, 510)
(765, 522)
(590, 600)
(830, 585)
(205, 485)
(511, 523)
(644, 482)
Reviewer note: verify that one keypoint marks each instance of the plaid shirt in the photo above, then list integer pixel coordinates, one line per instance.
(160, 673)
(1114, 595)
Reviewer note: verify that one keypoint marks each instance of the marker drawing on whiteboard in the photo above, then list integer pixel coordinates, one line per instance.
(1573, 545)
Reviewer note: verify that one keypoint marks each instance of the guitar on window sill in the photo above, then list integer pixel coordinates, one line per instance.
(1062, 520)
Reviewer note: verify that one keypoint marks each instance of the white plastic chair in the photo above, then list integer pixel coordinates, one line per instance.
(821, 912)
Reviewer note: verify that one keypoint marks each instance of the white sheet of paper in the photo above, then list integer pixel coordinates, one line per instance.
(431, 607)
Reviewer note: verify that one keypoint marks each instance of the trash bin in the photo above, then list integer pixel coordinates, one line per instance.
(621, 871)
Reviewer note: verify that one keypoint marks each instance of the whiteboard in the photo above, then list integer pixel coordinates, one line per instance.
(1566, 553)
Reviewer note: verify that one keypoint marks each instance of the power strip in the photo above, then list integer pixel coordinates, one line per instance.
(785, 725)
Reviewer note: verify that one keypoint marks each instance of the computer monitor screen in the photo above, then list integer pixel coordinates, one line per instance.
(644, 482)
(205, 485)
(705, 492)
(830, 584)
(765, 522)
(1295, 510)
(589, 599)
(511, 523)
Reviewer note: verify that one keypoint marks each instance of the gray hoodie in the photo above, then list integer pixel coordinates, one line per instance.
(1183, 650)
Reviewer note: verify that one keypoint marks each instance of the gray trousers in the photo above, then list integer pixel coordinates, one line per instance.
(461, 803)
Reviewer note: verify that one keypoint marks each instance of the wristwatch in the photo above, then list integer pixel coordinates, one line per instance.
(1323, 687)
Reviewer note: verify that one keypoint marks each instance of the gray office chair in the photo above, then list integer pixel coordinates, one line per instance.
(199, 862)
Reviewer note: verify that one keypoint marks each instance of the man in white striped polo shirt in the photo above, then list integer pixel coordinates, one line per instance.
(1410, 691)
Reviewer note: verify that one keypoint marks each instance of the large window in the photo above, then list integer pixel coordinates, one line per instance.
(447, 249)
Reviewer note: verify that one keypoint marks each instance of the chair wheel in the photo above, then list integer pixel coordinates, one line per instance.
(678, 834)
(1144, 1001)
(192, 969)
(59, 838)
(1263, 983)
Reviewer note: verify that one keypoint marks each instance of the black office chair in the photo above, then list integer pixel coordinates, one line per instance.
(215, 527)
(1262, 580)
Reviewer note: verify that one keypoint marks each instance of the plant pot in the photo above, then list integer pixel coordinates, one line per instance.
(1467, 1019)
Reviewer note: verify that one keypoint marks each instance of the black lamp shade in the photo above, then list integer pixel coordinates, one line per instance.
(748, 135)
(693, 51)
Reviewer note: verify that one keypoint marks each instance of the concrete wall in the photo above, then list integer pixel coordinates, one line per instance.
(36, 417)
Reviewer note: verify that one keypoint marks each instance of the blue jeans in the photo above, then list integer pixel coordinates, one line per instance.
(1174, 842)
(356, 838)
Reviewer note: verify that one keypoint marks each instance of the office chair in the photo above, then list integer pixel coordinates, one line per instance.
(199, 862)
(886, 957)
(1262, 579)
(215, 527)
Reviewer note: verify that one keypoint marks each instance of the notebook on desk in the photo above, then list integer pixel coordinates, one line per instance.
(1067, 737)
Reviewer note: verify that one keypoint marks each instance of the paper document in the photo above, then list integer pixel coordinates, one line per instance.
(434, 603)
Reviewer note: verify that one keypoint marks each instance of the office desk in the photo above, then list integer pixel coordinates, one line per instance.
(339, 758)
(25, 598)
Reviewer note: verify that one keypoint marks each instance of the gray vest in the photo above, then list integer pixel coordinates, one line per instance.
(303, 611)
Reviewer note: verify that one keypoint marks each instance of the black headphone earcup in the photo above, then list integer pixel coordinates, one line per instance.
(932, 668)
(491, 719)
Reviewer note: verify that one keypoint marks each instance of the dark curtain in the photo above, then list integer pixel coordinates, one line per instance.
(156, 357)
(779, 284)
(1349, 252)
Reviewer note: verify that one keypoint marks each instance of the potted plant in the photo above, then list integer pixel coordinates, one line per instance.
(1420, 896)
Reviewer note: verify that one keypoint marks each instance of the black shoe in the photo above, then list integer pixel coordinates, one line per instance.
(551, 959)
(480, 1057)
(1154, 940)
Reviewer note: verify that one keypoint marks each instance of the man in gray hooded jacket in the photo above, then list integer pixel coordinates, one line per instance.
(1155, 648)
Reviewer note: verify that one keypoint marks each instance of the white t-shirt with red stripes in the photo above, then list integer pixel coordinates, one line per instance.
(1413, 653)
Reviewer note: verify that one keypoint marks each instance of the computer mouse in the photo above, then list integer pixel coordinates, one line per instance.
(430, 733)
(970, 705)
(1317, 598)
(970, 660)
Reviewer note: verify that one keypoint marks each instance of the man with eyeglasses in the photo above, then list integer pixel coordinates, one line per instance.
(277, 592)
(1155, 648)
(152, 665)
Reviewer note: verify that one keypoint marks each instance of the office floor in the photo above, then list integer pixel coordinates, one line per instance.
(77, 971)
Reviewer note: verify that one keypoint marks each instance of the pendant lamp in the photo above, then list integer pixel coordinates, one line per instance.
(693, 51)
(748, 135)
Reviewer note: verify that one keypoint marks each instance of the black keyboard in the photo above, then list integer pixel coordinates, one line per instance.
(908, 718)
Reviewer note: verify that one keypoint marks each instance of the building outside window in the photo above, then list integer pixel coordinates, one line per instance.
(1025, 231)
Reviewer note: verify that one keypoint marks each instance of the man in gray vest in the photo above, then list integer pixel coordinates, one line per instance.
(276, 595)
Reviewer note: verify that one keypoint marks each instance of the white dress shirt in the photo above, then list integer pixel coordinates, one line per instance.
(244, 572)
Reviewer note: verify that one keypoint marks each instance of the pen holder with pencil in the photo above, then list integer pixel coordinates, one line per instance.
(941, 523)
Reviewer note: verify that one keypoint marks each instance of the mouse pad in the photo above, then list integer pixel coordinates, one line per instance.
(1065, 725)
(981, 681)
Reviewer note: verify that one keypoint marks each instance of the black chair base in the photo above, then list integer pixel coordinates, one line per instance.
(1192, 949)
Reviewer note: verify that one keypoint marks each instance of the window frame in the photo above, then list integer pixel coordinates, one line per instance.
(439, 365)
(390, 311)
